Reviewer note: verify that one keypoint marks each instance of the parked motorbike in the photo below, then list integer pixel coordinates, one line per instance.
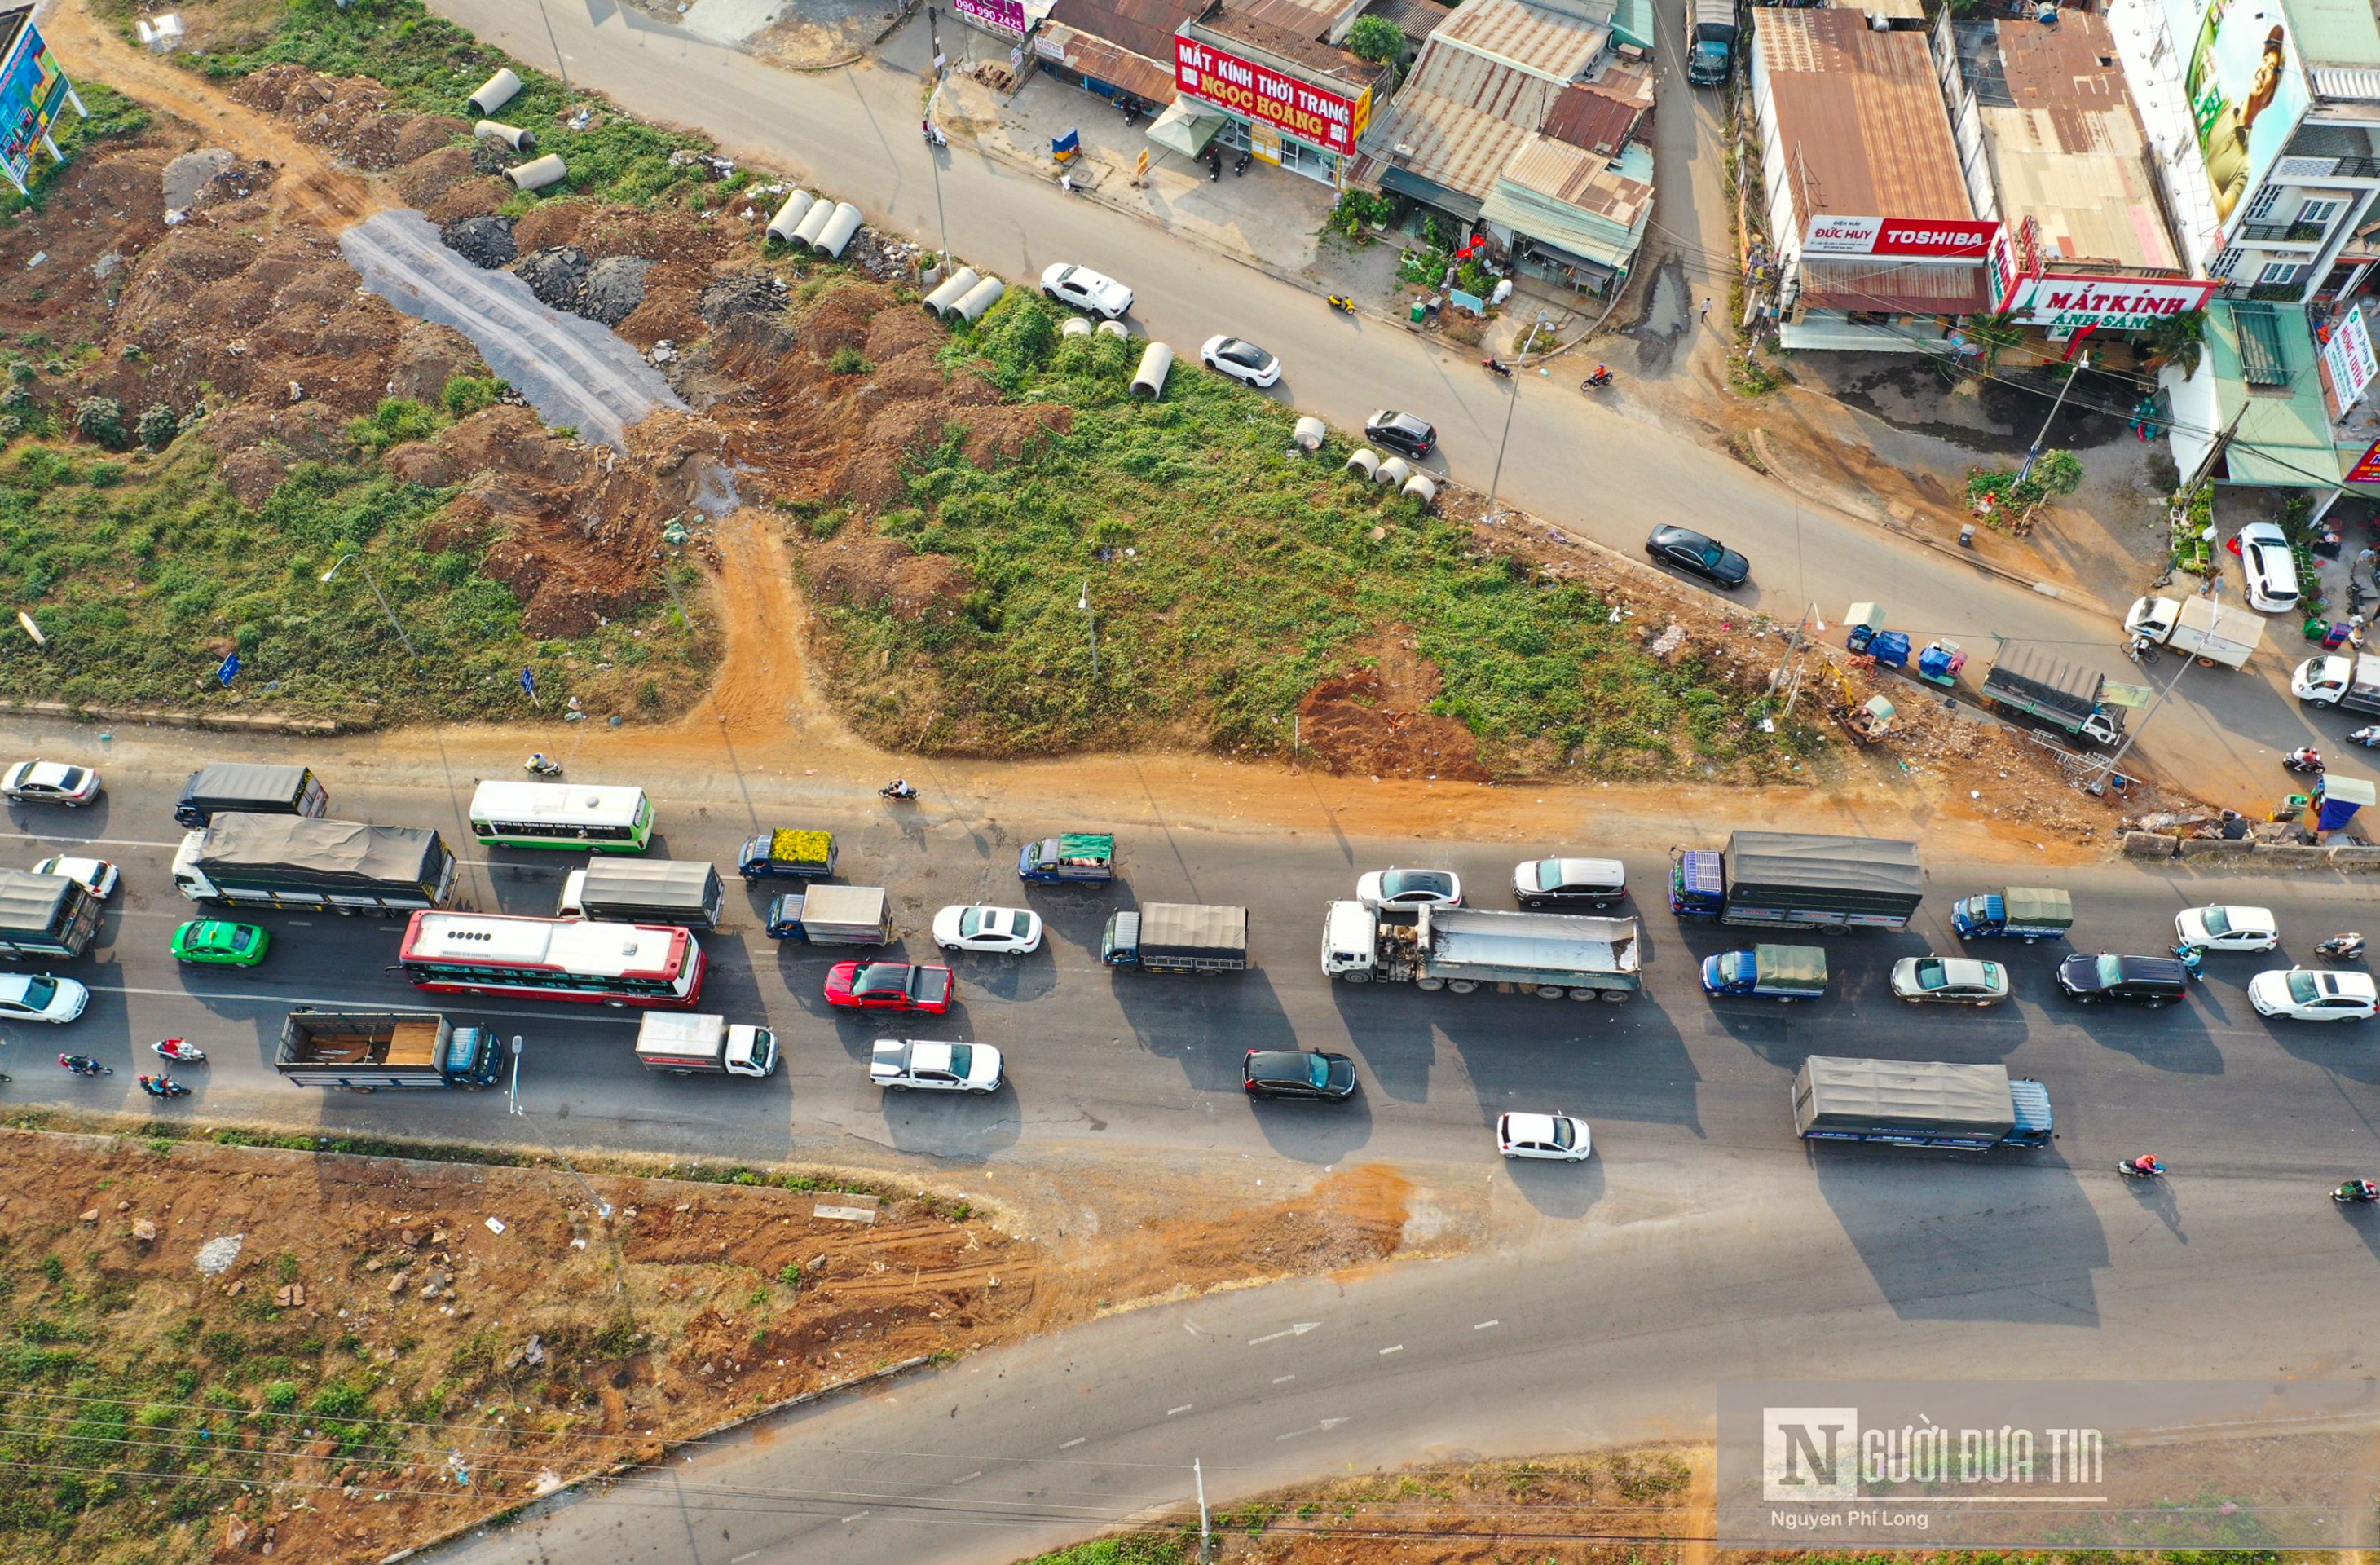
(181, 1053)
(2140, 649)
(2341, 948)
(933, 133)
(164, 1086)
(1214, 166)
(898, 790)
(1341, 303)
(1239, 164)
(2354, 1191)
(539, 766)
(84, 1065)
(1498, 367)
(1597, 382)
(1131, 114)
(2141, 1168)
(2306, 763)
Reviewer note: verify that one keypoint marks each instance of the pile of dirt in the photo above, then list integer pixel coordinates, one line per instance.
(615, 288)
(101, 211)
(557, 276)
(857, 567)
(485, 242)
(1376, 719)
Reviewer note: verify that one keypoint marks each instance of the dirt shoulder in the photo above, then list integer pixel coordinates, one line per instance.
(218, 1347)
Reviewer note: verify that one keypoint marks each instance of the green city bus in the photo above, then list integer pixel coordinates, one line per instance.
(577, 816)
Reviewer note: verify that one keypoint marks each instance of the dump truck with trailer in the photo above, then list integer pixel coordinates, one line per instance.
(645, 891)
(291, 862)
(787, 854)
(833, 915)
(2065, 696)
(1784, 973)
(1798, 879)
(1464, 949)
(2198, 627)
(47, 915)
(370, 1050)
(1086, 856)
(1919, 1103)
(1711, 37)
(2026, 913)
(243, 788)
(1177, 936)
(702, 1045)
(2334, 680)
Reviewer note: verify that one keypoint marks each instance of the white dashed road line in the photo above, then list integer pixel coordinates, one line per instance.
(1282, 1380)
(1486, 1324)
(1077, 1441)
(1398, 1349)
(1184, 1408)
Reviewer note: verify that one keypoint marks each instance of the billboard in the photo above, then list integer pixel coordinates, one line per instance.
(2246, 89)
(1001, 16)
(2348, 358)
(2112, 304)
(2367, 466)
(32, 91)
(1312, 114)
(1909, 239)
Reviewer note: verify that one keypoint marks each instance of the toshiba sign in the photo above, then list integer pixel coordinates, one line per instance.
(1906, 239)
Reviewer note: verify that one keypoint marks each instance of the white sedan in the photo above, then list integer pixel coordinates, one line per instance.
(2270, 566)
(1014, 932)
(2228, 928)
(920, 1063)
(2307, 994)
(49, 782)
(1409, 888)
(40, 998)
(96, 873)
(1241, 361)
(1087, 289)
(1562, 1137)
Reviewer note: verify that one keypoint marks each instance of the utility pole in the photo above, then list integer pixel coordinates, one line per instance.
(1205, 1533)
(934, 42)
(1084, 603)
(2033, 454)
(569, 92)
(1510, 404)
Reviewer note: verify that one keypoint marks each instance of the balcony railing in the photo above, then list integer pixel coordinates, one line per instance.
(2281, 293)
(2283, 233)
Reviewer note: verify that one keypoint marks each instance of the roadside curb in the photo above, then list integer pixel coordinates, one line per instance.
(253, 723)
(1776, 470)
(569, 1494)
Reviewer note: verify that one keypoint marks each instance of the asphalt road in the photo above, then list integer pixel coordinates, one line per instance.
(1592, 466)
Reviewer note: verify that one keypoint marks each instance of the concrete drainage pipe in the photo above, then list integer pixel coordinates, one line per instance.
(498, 91)
(1364, 462)
(511, 135)
(1309, 434)
(953, 288)
(838, 231)
(542, 173)
(1395, 470)
(980, 297)
(813, 224)
(1156, 364)
(789, 216)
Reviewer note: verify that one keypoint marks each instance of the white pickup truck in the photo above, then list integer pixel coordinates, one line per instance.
(925, 1065)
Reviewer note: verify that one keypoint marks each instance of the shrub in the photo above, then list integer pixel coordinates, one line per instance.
(849, 360)
(395, 421)
(466, 394)
(101, 419)
(281, 1397)
(158, 426)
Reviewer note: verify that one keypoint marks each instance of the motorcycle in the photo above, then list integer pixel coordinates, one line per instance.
(2306, 763)
(181, 1053)
(2367, 737)
(1239, 164)
(2355, 1191)
(164, 1086)
(2341, 948)
(1496, 366)
(2193, 958)
(84, 1065)
(1597, 382)
(2141, 1168)
(1341, 303)
(1130, 115)
(1214, 167)
(933, 133)
(2142, 650)
(538, 766)
(899, 791)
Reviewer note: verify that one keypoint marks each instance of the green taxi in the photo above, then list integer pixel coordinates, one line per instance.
(220, 943)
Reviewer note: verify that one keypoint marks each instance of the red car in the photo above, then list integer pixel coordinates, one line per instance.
(890, 985)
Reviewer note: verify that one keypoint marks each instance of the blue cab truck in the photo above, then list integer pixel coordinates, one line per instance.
(1799, 880)
(1919, 1103)
(1782, 973)
(375, 1051)
(2026, 913)
(1085, 857)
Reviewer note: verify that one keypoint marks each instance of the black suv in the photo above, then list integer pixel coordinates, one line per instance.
(1400, 431)
(1298, 1072)
(2138, 980)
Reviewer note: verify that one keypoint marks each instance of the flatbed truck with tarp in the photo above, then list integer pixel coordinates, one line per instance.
(1799, 880)
(1919, 1103)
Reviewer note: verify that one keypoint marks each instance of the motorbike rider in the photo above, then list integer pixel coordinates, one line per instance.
(2147, 1166)
(899, 789)
(2305, 759)
(2358, 1189)
(81, 1064)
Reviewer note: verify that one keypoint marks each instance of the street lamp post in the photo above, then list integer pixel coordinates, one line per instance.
(514, 1107)
(1084, 603)
(934, 42)
(377, 593)
(1510, 404)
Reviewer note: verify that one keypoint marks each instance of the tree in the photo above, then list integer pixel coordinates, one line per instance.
(158, 426)
(1376, 39)
(2057, 472)
(1996, 335)
(2176, 340)
(101, 419)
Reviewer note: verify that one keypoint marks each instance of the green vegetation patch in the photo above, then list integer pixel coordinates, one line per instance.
(1228, 576)
(143, 571)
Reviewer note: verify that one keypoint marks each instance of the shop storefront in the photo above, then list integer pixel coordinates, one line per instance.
(1299, 105)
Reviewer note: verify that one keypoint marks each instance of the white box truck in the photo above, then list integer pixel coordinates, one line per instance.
(704, 1046)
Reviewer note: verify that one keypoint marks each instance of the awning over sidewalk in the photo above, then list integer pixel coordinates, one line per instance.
(1185, 128)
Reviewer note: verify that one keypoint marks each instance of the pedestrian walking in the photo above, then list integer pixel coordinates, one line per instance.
(1707, 304)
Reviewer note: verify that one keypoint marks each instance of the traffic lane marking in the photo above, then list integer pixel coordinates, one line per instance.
(1322, 1428)
(1486, 1324)
(1077, 1441)
(1398, 1349)
(1184, 1408)
(340, 1002)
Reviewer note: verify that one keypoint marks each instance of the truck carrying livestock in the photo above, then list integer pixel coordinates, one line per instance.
(2065, 696)
(290, 862)
(833, 915)
(1799, 880)
(1711, 41)
(2198, 627)
(243, 788)
(47, 915)
(368, 1050)
(1464, 949)
(702, 1045)
(1086, 856)
(645, 891)
(1177, 936)
(1919, 1103)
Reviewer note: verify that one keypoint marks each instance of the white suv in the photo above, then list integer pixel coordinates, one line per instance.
(2271, 568)
(1087, 289)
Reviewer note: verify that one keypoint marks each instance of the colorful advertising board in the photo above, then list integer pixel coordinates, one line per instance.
(2367, 466)
(1315, 115)
(2347, 357)
(2110, 304)
(32, 91)
(2246, 88)
(1909, 238)
(1001, 16)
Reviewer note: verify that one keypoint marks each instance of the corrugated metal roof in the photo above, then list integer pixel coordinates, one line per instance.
(1585, 117)
(2070, 153)
(1547, 43)
(1111, 63)
(1578, 178)
(1143, 26)
(1293, 17)
(1861, 117)
(1292, 45)
(1415, 19)
(1451, 143)
(1903, 288)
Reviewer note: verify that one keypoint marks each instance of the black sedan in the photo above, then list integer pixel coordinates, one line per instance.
(1298, 1072)
(1400, 431)
(1707, 557)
